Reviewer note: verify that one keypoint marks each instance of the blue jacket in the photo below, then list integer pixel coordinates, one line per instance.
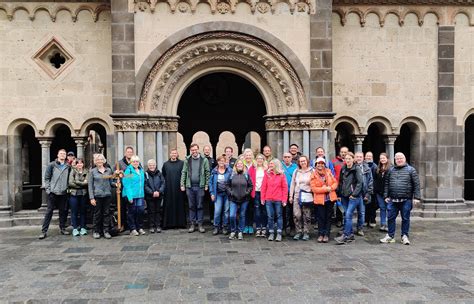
(288, 170)
(133, 183)
(213, 179)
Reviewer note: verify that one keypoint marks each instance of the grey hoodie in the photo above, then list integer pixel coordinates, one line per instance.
(56, 178)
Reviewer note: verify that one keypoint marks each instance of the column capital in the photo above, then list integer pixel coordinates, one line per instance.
(45, 142)
(359, 139)
(390, 139)
(80, 141)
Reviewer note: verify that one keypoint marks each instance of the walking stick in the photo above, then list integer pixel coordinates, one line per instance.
(119, 205)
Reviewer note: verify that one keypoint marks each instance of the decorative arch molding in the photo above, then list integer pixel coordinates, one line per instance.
(54, 8)
(224, 6)
(348, 120)
(13, 127)
(92, 121)
(388, 129)
(51, 125)
(466, 116)
(445, 15)
(412, 120)
(273, 74)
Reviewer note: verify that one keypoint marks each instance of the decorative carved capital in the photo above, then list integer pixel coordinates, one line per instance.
(145, 125)
(297, 124)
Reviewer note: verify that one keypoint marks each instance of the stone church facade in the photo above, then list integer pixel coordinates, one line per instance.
(395, 75)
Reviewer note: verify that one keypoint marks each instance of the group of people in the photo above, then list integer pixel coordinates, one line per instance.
(250, 194)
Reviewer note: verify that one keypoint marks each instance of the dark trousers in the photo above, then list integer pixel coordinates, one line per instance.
(102, 214)
(135, 213)
(123, 211)
(371, 210)
(288, 217)
(56, 201)
(154, 211)
(209, 204)
(324, 215)
(78, 205)
(195, 197)
(249, 213)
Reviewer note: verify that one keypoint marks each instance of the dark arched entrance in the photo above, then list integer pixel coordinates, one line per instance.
(374, 141)
(62, 140)
(344, 137)
(468, 159)
(220, 102)
(30, 169)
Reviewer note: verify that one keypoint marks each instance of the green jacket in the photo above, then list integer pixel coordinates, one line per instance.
(204, 173)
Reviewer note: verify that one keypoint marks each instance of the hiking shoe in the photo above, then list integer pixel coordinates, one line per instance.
(278, 237)
(387, 239)
(83, 231)
(271, 236)
(42, 236)
(215, 231)
(372, 225)
(152, 230)
(340, 232)
(65, 232)
(250, 229)
(225, 231)
(264, 232)
(201, 228)
(241, 236)
(232, 236)
(325, 239)
(134, 233)
(75, 232)
(96, 235)
(405, 240)
(258, 233)
(305, 237)
(360, 232)
(297, 236)
(384, 228)
(246, 230)
(107, 235)
(141, 231)
(158, 230)
(320, 239)
(191, 228)
(343, 239)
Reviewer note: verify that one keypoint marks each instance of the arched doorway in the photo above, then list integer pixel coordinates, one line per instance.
(30, 169)
(62, 140)
(344, 137)
(468, 159)
(220, 102)
(374, 141)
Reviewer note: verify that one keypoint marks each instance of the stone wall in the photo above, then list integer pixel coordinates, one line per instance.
(388, 71)
(81, 92)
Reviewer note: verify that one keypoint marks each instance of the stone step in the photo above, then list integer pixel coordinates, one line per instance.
(445, 214)
(445, 207)
(32, 221)
(5, 223)
(29, 213)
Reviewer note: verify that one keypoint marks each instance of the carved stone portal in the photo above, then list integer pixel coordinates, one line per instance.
(248, 56)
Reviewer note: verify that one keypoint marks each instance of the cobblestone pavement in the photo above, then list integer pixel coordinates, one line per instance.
(176, 266)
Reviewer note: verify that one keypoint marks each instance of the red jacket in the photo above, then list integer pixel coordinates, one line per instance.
(274, 188)
(252, 172)
(338, 163)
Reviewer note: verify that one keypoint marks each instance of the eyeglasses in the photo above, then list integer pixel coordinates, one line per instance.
(286, 156)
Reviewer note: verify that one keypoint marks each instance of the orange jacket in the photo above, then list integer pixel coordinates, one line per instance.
(318, 187)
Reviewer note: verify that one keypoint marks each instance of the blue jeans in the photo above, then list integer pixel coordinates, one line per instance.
(404, 208)
(221, 202)
(233, 216)
(135, 212)
(360, 214)
(350, 205)
(260, 213)
(273, 208)
(383, 209)
(195, 198)
(78, 208)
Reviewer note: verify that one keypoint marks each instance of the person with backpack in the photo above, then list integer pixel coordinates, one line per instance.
(288, 168)
(401, 191)
(274, 195)
(154, 191)
(78, 197)
(372, 206)
(302, 198)
(56, 179)
(323, 185)
(367, 191)
(217, 187)
(238, 190)
(256, 173)
(349, 191)
(379, 182)
(134, 188)
(338, 162)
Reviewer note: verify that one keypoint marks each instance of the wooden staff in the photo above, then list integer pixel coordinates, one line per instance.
(119, 207)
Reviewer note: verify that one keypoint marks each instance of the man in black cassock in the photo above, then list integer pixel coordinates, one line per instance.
(174, 214)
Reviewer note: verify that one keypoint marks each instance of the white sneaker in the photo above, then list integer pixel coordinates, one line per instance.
(241, 236)
(134, 232)
(141, 231)
(387, 239)
(232, 236)
(405, 240)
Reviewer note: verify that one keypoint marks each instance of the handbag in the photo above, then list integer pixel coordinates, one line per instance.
(305, 198)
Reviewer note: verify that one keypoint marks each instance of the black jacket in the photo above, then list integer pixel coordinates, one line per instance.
(239, 187)
(350, 181)
(379, 180)
(212, 162)
(402, 183)
(154, 182)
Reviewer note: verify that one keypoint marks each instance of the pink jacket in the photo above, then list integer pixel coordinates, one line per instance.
(274, 188)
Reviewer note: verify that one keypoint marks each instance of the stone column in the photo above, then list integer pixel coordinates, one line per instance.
(286, 141)
(306, 147)
(45, 157)
(159, 149)
(358, 141)
(390, 147)
(80, 145)
(120, 147)
(140, 146)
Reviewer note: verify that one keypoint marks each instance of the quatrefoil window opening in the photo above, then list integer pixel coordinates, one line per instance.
(53, 58)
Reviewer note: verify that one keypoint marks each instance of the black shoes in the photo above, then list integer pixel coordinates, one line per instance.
(42, 236)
